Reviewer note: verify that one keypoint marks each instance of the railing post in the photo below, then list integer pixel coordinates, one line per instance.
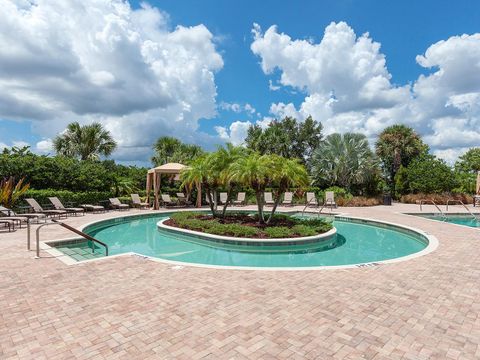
(28, 234)
(38, 242)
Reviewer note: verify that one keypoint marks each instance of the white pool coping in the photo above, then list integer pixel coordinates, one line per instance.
(432, 245)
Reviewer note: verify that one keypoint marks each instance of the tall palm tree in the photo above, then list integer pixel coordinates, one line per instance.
(398, 145)
(87, 142)
(344, 160)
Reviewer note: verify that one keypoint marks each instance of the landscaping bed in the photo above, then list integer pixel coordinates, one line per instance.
(245, 225)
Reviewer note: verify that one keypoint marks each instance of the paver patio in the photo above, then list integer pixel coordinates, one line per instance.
(129, 307)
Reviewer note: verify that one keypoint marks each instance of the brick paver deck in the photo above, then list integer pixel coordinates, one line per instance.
(133, 308)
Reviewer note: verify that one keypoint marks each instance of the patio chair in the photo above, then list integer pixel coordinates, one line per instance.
(240, 199)
(137, 202)
(16, 220)
(57, 204)
(311, 199)
(330, 199)
(288, 199)
(93, 208)
(38, 209)
(167, 201)
(8, 224)
(10, 214)
(223, 198)
(116, 204)
(267, 196)
(182, 199)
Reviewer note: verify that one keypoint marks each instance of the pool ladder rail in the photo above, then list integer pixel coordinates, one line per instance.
(68, 227)
(319, 211)
(460, 202)
(422, 202)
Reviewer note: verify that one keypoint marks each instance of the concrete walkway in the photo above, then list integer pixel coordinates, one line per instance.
(129, 307)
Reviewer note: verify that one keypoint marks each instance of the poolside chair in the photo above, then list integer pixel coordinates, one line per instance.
(182, 199)
(38, 209)
(311, 199)
(167, 201)
(10, 214)
(330, 199)
(116, 204)
(93, 208)
(223, 198)
(16, 220)
(57, 204)
(137, 202)
(288, 199)
(8, 224)
(240, 199)
(267, 196)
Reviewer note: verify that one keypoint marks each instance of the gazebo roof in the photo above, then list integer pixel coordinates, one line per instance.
(169, 168)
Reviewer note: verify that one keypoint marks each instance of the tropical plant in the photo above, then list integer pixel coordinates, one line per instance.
(123, 186)
(87, 142)
(469, 162)
(10, 191)
(398, 145)
(170, 149)
(287, 137)
(344, 160)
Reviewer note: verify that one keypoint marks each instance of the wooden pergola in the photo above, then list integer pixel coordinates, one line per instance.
(154, 177)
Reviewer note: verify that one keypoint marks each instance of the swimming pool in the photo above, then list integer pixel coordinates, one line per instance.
(459, 219)
(357, 242)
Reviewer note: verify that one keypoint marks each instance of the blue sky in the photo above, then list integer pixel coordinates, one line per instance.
(404, 29)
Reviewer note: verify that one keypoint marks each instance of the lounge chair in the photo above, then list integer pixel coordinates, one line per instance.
(10, 214)
(116, 204)
(57, 204)
(93, 208)
(38, 209)
(311, 199)
(182, 199)
(223, 198)
(167, 201)
(137, 202)
(288, 199)
(16, 220)
(8, 223)
(330, 199)
(240, 199)
(267, 196)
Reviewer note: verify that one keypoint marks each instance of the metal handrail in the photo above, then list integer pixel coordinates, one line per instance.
(433, 203)
(68, 227)
(308, 203)
(461, 203)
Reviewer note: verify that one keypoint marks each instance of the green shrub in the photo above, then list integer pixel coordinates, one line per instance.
(279, 232)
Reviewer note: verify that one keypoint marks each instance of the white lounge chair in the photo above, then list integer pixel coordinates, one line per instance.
(330, 199)
(167, 201)
(288, 199)
(93, 208)
(267, 196)
(116, 204)
(38, 209)
(137, 202)
(240, 199)
(223, 198)
(311, 199)
(57, 204)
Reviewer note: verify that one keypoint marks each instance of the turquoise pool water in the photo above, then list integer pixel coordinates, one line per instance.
(355, 243)
(466, 220)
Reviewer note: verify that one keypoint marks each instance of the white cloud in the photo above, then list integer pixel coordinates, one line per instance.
(100, 60)
(44, 146)
(237, 108)
(348, 86)
(273, 87)
(236, 133)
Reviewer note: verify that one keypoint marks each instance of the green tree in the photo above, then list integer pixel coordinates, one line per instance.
(344, 160)
(398, 145)
(469, 162)
(287, 137)
(426, 174)
(87, 142)
(169, 149)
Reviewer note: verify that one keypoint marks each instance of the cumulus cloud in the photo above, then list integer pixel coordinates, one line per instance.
(348, 86)
(44, 146)
(101, 60)
(237, 108)
(235, 133)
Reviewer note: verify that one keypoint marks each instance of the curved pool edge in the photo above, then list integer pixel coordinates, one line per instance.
(432, 245)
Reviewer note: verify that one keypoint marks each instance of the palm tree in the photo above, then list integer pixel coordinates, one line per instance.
(285, 174)
(86, 142)
(253, 171)
(398, 145)
(344, 160)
